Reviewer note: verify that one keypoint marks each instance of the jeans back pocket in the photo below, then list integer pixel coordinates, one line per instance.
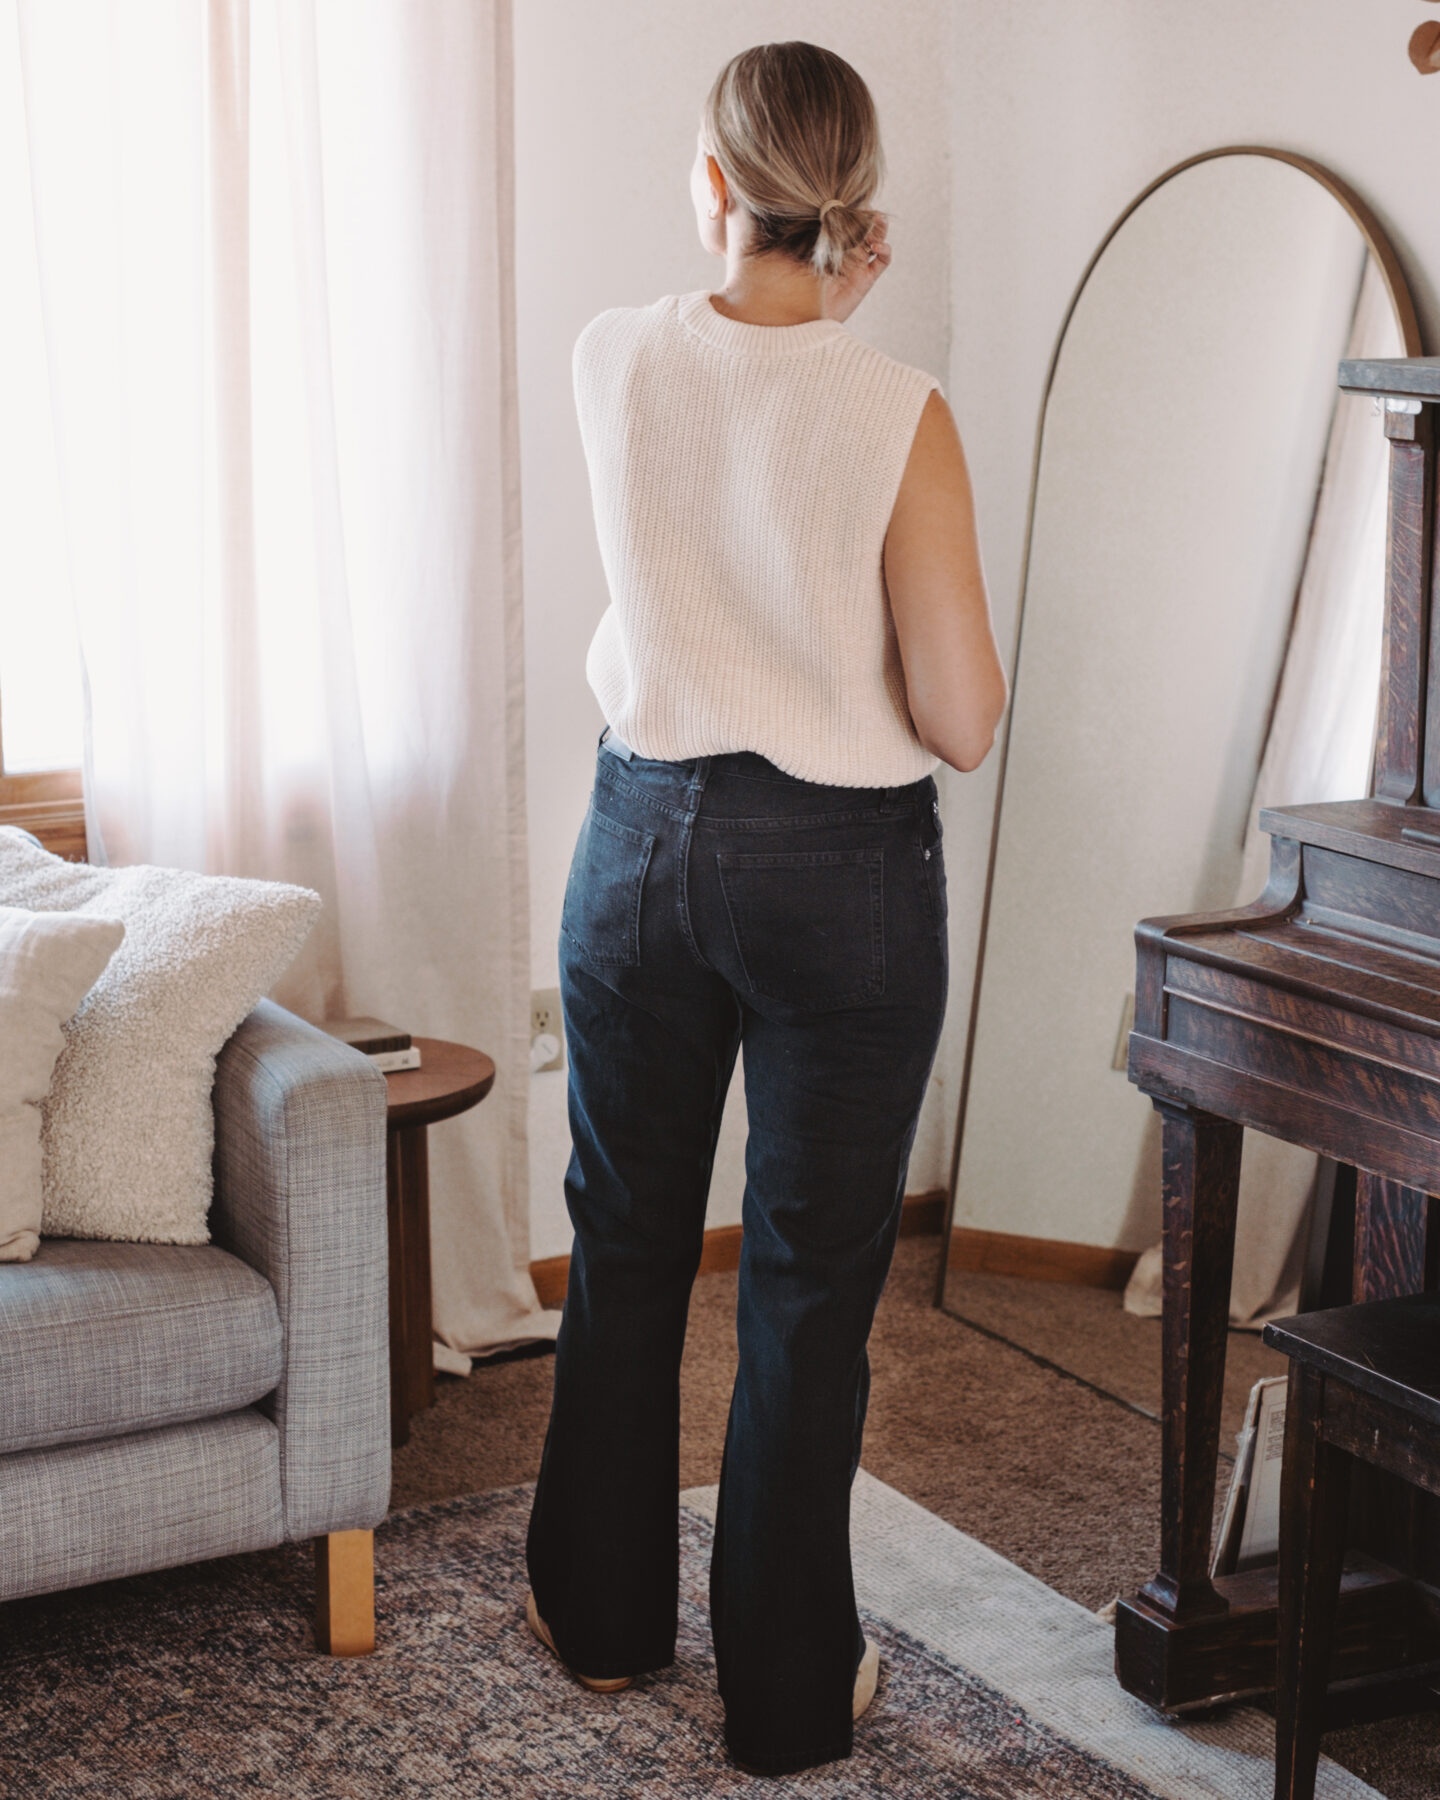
(809, 925)
(601, 914)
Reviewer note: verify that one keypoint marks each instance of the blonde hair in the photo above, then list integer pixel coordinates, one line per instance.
(794, 131)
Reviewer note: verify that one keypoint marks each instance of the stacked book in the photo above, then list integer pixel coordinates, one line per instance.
(387, 1047)
(1249, 1536)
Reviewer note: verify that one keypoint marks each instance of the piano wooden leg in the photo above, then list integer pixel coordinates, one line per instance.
(1201, 1162)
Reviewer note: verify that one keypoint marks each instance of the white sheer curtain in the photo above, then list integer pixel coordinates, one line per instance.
(1318, 748)
(274, 240)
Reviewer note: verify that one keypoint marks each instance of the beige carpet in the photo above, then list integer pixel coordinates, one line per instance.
(1054, 1476)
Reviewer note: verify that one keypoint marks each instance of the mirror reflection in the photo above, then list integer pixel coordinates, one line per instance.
(1200, 634)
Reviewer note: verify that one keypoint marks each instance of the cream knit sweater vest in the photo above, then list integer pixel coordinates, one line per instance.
(743, 478)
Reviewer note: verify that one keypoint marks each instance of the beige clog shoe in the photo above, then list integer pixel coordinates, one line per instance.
(596, 1685)
(867, 1677)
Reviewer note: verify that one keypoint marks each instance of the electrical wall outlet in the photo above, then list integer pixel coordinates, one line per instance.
(547, 1031)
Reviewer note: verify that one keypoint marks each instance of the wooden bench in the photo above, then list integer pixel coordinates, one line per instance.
(1364, 1387)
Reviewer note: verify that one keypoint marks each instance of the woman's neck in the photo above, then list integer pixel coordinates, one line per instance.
(771, 289)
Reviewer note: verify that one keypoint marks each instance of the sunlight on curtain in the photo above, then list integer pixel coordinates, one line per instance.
(40, 712)
(274, 241)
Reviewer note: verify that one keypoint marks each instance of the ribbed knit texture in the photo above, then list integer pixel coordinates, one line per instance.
(743, 478)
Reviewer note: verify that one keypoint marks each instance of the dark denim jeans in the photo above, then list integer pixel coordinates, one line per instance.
(714, 903)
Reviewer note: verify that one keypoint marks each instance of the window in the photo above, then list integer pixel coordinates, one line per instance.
(40, 684)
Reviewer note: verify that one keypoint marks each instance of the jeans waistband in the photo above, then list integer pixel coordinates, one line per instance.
(679, 784)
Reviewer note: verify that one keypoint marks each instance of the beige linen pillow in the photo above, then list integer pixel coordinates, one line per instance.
(127, 1130)
(48, 963)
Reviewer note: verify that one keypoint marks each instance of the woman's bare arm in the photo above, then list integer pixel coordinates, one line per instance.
(954, 679)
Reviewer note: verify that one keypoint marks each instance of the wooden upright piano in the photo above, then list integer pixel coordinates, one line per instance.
(1312, 1014)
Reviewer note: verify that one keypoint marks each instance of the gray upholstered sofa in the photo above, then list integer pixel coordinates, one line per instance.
(161, 1404)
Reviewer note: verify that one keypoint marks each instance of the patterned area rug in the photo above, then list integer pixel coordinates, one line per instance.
(204, 1681)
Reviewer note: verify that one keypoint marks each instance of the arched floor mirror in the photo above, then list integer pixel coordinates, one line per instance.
(1189, 428)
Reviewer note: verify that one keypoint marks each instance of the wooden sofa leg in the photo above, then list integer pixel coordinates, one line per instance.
(345, 1593)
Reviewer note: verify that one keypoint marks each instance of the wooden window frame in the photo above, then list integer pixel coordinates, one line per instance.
(49, 802)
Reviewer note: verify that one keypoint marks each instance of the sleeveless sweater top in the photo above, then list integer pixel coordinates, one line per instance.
(743, 478)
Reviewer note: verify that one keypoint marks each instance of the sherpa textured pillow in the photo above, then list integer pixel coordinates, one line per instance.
(48, 963)
(127, 1131)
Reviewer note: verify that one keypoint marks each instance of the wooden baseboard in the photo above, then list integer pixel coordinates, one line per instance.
(921, 1215)
(1039, 1259)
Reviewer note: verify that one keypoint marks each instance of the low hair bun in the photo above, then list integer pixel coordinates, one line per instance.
(789, 121)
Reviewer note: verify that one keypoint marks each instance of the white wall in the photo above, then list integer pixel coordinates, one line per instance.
(1045, 120)
(608, 98)
(1062, 110)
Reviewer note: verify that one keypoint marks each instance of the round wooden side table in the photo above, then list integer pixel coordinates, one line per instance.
(451, 1079)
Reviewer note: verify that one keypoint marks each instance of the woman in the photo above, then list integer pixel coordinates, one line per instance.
(798, 631)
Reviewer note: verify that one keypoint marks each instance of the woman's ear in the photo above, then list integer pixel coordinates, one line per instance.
(719, 192)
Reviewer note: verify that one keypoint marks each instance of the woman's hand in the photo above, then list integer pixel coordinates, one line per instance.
(845, 291)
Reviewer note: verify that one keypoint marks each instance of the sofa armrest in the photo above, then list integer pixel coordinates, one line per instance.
(300, 1197)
